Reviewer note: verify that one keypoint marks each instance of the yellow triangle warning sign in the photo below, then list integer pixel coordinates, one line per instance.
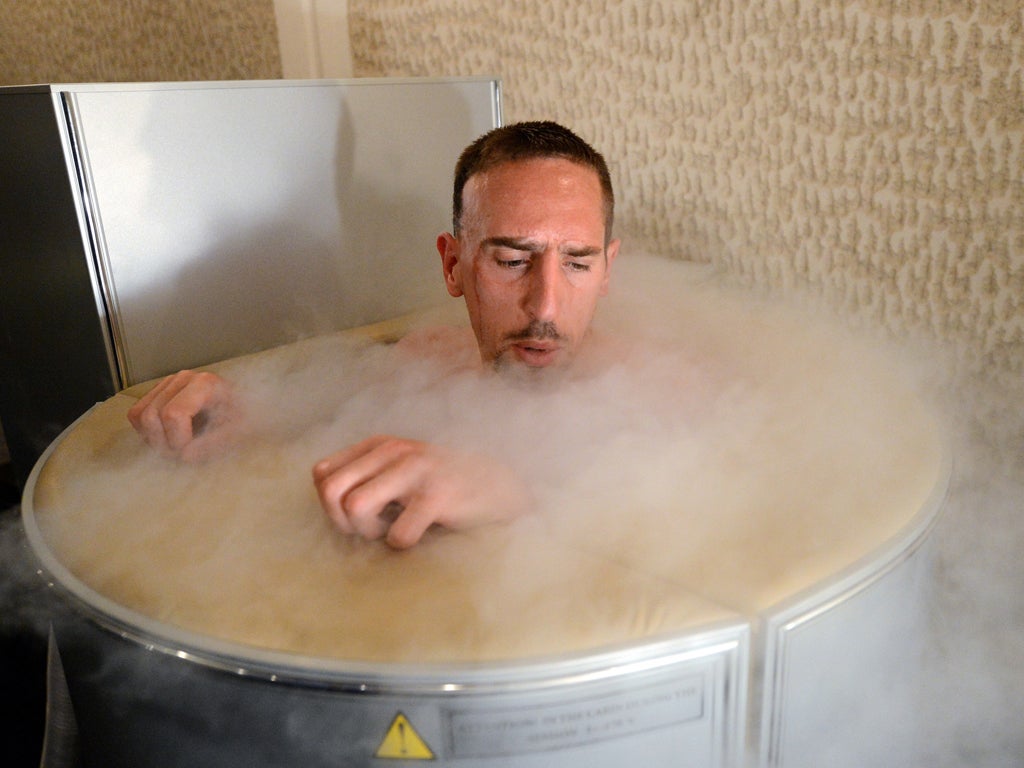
(401, 742)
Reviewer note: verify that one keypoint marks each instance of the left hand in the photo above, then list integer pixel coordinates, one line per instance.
(191, 414)
(424, 483)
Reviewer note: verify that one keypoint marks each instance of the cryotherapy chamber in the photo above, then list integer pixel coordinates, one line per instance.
(663, 647)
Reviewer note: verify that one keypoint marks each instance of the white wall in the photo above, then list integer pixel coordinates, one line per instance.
(313, 36)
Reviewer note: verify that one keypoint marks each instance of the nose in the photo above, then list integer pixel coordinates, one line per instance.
(544, 288)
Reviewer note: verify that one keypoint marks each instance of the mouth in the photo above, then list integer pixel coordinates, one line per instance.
(538, 345)
(536, 353)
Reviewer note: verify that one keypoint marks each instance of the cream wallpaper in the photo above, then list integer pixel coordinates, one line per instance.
(123, 40)
(871, 150)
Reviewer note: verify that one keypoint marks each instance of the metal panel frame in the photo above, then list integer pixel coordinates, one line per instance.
(55, 353)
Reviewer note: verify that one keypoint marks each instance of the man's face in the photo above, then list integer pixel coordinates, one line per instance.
(530, 261)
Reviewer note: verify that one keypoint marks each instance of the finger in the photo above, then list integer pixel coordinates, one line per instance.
(331, 464)
(135, 412)
(332, 481)
(358, 484)
(143, 403)
(373, 505)
(179, 413)
(146, 414)
(410, 525)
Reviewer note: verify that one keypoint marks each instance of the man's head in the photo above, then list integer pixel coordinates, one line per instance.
(524, 141)
(531, 247)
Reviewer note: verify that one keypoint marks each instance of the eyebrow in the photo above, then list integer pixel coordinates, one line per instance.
(528, 245)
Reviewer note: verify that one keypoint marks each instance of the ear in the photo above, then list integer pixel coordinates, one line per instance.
(610, 253)
(448, 247)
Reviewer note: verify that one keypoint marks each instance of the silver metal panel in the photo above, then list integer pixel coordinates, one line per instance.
(840, 661)
(231, 217)
(670, 707)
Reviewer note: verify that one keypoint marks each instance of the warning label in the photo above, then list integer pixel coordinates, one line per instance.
(478, 734)
(401, 742)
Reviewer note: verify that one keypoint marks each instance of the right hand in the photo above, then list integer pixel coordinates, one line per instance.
(186, 414)
(418, 484)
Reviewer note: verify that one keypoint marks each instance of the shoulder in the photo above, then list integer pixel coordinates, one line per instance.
(451, 346)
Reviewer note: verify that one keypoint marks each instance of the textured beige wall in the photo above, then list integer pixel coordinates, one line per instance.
(121, 40)
(874, 150)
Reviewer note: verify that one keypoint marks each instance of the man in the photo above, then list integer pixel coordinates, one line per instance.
(530, 252)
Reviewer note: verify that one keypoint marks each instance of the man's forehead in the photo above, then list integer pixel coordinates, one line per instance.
(513, 184)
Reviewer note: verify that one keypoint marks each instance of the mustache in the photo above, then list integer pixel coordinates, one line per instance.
(537, 330)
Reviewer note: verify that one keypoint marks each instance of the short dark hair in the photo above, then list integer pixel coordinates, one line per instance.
(525, 141)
